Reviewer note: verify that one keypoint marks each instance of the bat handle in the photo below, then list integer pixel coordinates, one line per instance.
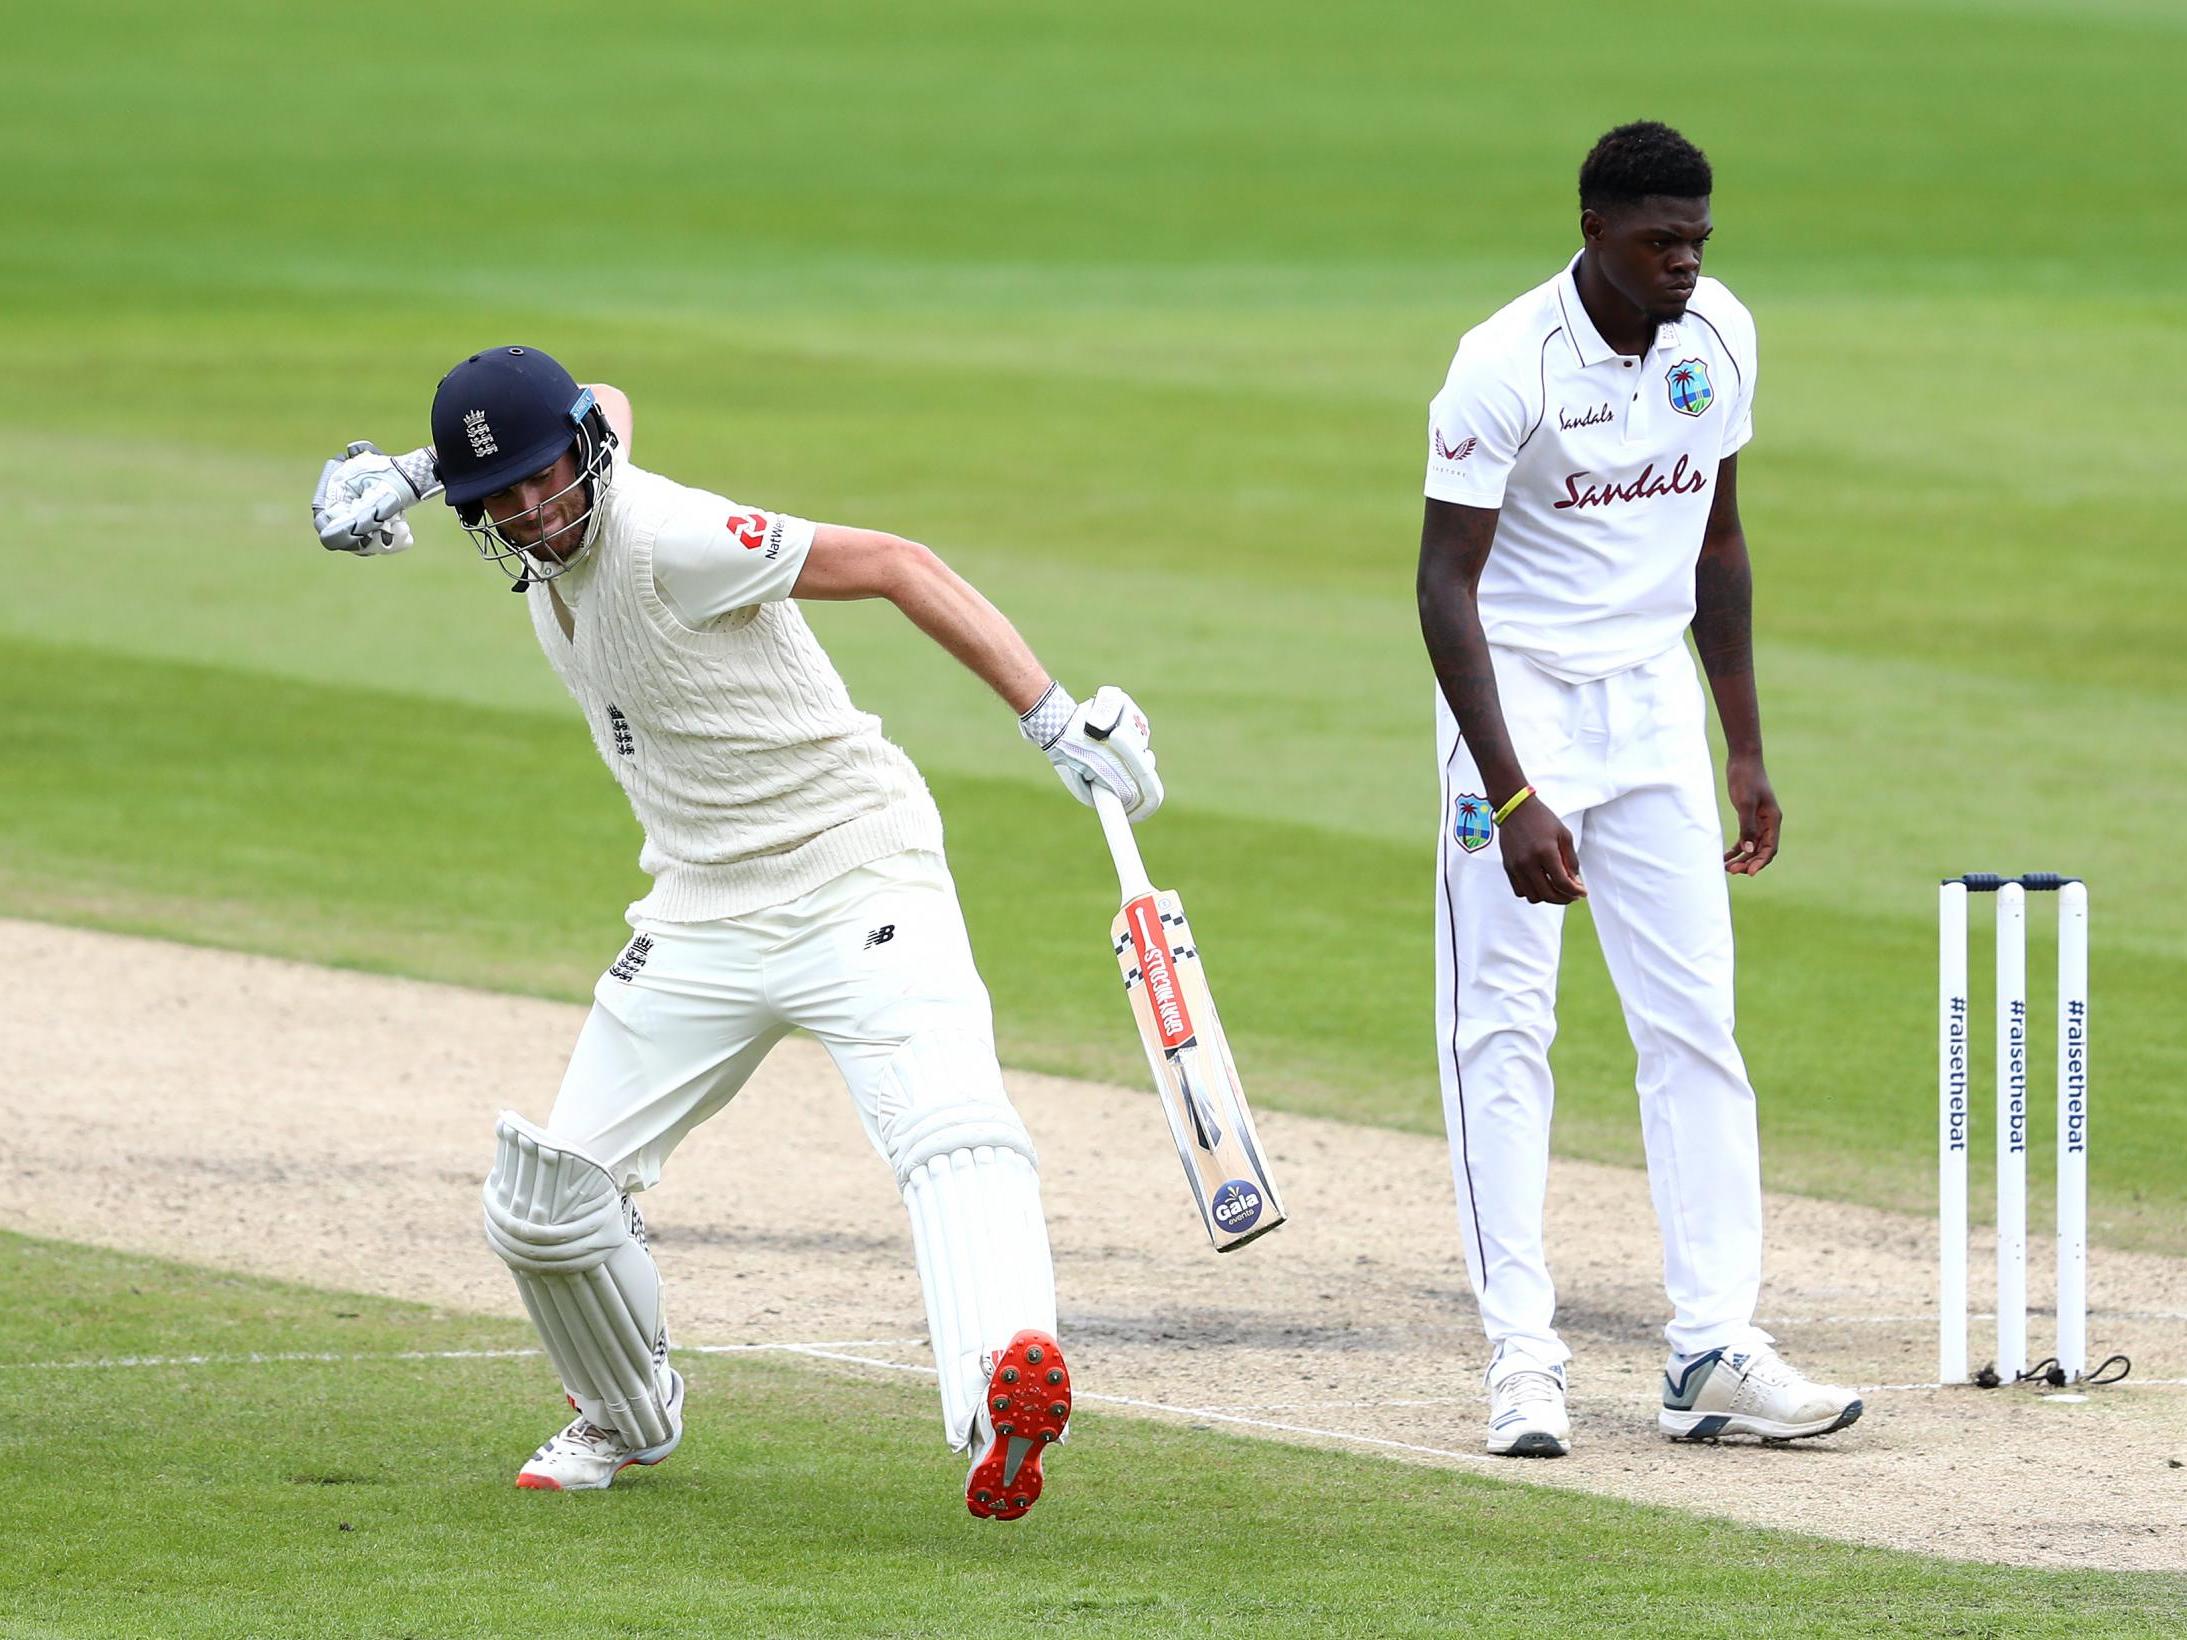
(1131, 871)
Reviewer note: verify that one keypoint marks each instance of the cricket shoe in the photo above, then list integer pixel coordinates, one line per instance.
(1750, 1392)
(1526, 1416)
(1028, 1403)
(586, 1457)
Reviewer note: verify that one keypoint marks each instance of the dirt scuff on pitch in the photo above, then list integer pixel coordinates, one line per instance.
(332, 1127)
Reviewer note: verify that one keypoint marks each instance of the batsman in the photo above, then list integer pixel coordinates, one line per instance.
(798, 881)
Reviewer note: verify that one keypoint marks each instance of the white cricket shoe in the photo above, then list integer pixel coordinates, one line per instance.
(586, 1457)
(1751, 1392)
(1526, 1416)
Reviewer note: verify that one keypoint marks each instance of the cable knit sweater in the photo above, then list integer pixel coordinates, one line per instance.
(754, 776)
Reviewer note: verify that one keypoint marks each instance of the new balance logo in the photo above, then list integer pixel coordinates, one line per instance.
(881, 935)
(619, 727)
(626, 966)
(480, 435)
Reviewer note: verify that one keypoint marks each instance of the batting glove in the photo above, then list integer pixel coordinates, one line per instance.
(362, 496)
(1100, 742)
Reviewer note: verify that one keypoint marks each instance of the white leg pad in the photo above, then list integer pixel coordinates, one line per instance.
(982, 1247)
(576, 1246)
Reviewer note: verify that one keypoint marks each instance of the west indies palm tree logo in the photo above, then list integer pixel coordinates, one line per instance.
(1474, 823)
(1690, 390)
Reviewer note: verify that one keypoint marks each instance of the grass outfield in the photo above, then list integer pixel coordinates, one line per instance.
(1135, 315)
(369, 1494)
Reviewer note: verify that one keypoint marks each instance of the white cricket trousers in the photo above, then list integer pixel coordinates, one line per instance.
(877, 966)
(1624, 762)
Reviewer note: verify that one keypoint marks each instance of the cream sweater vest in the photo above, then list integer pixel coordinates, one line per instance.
(754, 776)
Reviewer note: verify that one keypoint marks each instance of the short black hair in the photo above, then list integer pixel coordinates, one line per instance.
(1646, 157)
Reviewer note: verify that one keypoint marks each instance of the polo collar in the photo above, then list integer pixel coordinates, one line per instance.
(1587, 343)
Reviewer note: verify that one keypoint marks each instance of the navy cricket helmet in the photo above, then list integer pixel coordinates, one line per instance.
(501, 416)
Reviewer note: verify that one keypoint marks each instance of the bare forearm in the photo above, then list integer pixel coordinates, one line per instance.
(1450, 621)
(846, 562)
(1723, 633)
(951, 611)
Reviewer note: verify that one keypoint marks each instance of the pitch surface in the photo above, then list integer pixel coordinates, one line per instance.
(331, 1128)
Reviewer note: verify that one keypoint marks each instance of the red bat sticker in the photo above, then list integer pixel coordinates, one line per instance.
(1152, 945)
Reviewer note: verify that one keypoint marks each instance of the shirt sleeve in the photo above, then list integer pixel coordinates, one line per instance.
(1747, 357)
(714, 556)
(1475, 427)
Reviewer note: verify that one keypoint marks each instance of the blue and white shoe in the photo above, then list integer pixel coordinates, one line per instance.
(1750, 1392)
(1526, 1416)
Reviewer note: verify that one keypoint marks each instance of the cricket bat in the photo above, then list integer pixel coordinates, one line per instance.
(1186, 1048)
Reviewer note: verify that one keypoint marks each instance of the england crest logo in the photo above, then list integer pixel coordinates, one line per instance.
(1691, 393)
(1473, 825)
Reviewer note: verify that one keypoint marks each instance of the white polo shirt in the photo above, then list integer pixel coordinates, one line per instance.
(1603, 466)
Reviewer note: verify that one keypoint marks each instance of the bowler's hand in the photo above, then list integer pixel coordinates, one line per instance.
(1759, 816)
(1539, 857)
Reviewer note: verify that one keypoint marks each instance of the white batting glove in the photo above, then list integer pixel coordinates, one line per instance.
(1100, 742)
(362, 496)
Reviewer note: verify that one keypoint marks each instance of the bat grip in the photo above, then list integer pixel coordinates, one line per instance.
(1131, 871)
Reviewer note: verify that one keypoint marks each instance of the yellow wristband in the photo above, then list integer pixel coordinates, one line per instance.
(1516, 798)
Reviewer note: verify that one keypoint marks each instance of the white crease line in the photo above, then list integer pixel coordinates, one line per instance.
(1467, 1400)
(1231, 1412)
(1930, 1318)
(1341, 1407)
(1208, 1414)
(817, 1344)
(2123, 1383)
(839, 1350)
(1301, 1429)
(262, 1358)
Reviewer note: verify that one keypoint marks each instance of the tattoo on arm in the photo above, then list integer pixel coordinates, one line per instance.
(1723, 584)
(1723, 609)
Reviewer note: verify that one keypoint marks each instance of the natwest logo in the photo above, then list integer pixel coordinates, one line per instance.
(757, 532)
(1683, 479)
